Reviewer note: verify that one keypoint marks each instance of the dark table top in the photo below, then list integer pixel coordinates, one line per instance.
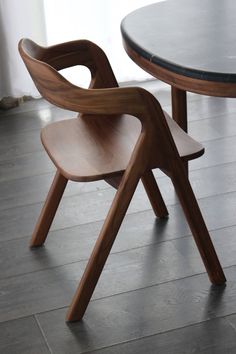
(195, 38)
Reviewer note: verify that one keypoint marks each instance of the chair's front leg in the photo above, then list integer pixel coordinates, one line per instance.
(102, 249)
(197, 226)
(49, 210)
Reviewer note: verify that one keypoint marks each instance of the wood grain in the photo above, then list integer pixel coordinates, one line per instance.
(105, 142)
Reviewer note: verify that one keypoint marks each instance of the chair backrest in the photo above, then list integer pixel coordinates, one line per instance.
(44, 62)
(65, 55)
(103, 96)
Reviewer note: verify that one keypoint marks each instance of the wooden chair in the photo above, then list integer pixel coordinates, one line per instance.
(120, 135)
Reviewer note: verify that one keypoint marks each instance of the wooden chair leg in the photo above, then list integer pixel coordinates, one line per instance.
(49, 210)
(101, 251)
(198, 226)
(154, 194)
(152, 190)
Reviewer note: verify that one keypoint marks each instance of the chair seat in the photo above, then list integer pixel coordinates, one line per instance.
(90, 148)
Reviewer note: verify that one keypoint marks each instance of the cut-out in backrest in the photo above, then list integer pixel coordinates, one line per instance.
(66, 55)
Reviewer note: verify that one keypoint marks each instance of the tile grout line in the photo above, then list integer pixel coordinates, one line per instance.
(130, 214)
(42, 333)
(130, 291)
(188, 236)
(192, 171)
(225, 317)
(232, 325)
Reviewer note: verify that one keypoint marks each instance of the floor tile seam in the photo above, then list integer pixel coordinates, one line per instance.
(130, 214)
(171, 205)
(160, 284)
(133, 290)
(159, 333)
(86, 259)
(35, 315)
(53, 170)
(231, 324)
(112, 189)
(43, 334)
(128, 292)
(170, 241)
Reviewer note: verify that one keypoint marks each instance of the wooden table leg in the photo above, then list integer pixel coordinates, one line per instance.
(179, 110)
(179, 107)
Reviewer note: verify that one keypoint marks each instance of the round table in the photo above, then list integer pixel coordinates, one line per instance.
(189, 44)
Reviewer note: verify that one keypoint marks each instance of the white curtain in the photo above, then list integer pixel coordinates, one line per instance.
(99, 21)
(53, 21)
(18, 18)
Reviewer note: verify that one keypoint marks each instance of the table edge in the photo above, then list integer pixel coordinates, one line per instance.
(183, 82)
(175, 68)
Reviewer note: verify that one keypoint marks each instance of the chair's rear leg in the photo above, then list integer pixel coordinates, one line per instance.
(152, 191)
(49, 209)
(154, 194)
(198, 226)
(101, 250)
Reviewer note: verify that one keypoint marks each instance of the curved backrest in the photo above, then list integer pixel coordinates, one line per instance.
(103, 96)
(65, 55)
(43, 65)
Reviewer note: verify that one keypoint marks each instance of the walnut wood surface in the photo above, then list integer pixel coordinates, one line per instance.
(98, 147)
(49, 209)
(105, 142)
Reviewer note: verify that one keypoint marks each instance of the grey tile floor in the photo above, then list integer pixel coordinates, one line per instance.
(154, 295)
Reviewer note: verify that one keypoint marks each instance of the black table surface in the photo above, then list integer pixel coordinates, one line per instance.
(195, 38)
